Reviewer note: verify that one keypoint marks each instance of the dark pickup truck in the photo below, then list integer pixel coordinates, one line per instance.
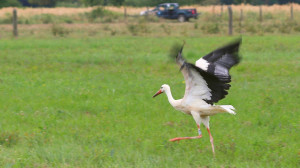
(172, 11)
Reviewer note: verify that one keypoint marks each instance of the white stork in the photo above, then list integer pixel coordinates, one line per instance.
(206, 82)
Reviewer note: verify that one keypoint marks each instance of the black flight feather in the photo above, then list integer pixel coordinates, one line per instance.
(175, 50)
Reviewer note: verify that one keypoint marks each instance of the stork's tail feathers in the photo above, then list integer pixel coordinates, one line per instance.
(229, 108)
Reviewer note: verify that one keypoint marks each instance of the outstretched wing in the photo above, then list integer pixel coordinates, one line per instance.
(219, 62)
(209, 78)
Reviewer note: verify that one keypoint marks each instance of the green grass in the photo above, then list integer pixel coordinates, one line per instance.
(73, 102)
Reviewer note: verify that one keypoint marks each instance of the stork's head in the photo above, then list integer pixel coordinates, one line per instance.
(162, 89)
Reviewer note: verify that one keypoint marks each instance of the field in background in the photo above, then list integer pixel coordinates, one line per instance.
(136, 11)
(110, 21)
(87, 102)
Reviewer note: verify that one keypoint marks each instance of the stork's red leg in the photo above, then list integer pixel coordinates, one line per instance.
(211, 141)
(182, 138)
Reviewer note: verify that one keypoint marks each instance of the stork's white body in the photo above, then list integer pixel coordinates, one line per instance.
(207, 82)
(198, 106)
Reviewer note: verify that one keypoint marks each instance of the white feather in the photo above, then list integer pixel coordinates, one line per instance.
(202, 63)
(229, 108)
(196, 87)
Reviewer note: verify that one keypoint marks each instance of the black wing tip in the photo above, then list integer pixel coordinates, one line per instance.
(176, 54)
(174, 50)
(237, 43)
(180, 52)
(233, 48)
(234, 45)
(238, 40)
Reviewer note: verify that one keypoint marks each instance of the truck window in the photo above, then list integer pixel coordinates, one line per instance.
(172, 7)
(161, 8)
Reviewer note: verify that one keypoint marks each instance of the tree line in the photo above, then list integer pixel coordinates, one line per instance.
(53, 3)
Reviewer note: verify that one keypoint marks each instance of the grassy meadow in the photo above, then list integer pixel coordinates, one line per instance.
(87, 102)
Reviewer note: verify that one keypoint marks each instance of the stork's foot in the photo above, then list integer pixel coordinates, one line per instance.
(182, 138)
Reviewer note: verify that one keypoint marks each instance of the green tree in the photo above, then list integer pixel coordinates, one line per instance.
(9, 3)
(92, 2)
(116, 2)
(211, 2)
(49, 3)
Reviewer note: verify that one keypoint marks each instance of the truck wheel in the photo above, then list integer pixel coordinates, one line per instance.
(181, 18)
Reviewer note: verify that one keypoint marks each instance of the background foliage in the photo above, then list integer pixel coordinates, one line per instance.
(7, 3)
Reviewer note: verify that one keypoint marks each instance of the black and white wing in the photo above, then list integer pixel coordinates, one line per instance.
(209, 78)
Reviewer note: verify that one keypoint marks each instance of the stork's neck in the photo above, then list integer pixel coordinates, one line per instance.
(170, 97)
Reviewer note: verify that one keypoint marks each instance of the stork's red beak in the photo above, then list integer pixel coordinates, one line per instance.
(157, 93)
